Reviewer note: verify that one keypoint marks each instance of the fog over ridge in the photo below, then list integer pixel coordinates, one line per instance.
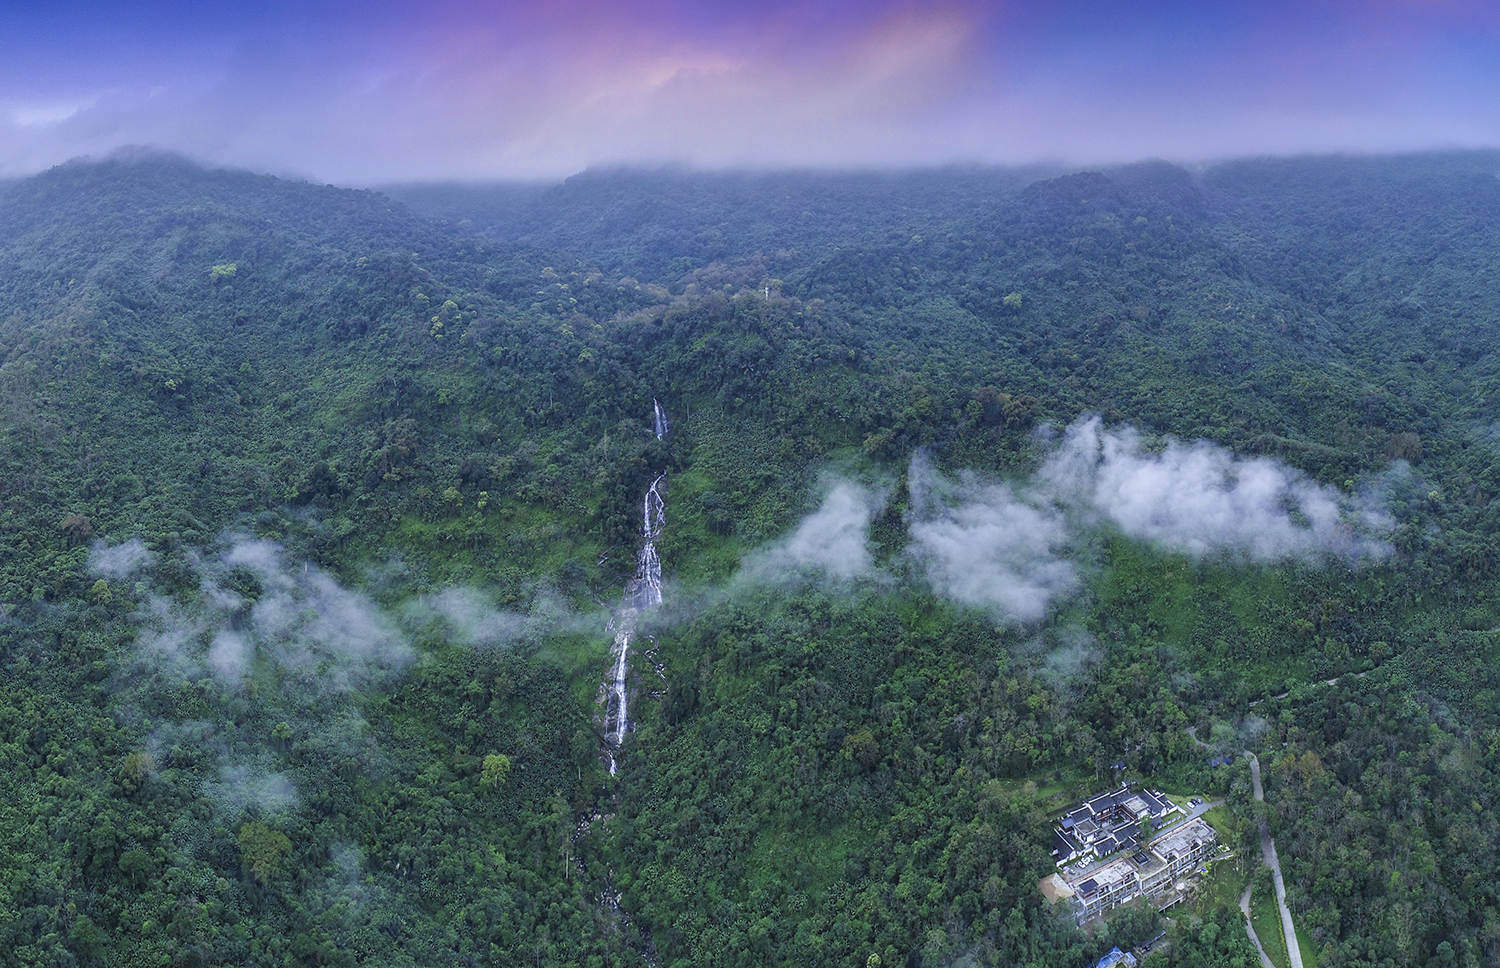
(486, 91)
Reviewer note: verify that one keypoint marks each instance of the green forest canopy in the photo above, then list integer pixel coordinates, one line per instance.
(315, 502)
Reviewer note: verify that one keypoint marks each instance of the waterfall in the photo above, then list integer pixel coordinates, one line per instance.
(659, 420)
(642, 592)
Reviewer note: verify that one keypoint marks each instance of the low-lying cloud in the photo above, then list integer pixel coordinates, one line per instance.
(833, 540)
(474, 619)
(302, 624)
(1005, 547)
(121, 560)
(243, 785)
(1074, 651)
(987, 544)
(267, 634)
(1199, 499)
(471, 618)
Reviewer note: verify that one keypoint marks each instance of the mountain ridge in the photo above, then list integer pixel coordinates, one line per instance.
(249, 424)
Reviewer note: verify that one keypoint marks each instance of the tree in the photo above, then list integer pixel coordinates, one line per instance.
(78, 528)
(262, 850)
(136, 865)
(134, 769)
(86, 939)
(496, 770)
(860, 746)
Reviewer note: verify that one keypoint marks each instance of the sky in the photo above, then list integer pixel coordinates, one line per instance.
(380, 91)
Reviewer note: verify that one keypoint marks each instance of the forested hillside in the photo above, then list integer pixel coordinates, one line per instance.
(983, 488)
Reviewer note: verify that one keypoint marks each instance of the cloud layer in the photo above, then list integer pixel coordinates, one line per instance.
(463, 90)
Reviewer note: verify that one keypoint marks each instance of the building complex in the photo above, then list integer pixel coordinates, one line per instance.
(1122, 845)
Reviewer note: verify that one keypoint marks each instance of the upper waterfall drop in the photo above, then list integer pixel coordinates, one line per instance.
(659, 420)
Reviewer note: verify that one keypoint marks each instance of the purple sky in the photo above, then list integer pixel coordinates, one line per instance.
(359, 93)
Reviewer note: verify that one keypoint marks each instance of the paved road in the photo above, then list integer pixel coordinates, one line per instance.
(1268, 855)
(1265, 959)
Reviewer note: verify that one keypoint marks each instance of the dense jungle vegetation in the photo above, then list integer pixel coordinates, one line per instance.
(314, 504)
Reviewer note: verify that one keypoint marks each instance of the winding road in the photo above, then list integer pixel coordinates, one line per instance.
(1265, 959)
(1268, 856)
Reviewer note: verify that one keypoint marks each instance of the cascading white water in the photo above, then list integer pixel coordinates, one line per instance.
(659, 420)
(642, 592)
